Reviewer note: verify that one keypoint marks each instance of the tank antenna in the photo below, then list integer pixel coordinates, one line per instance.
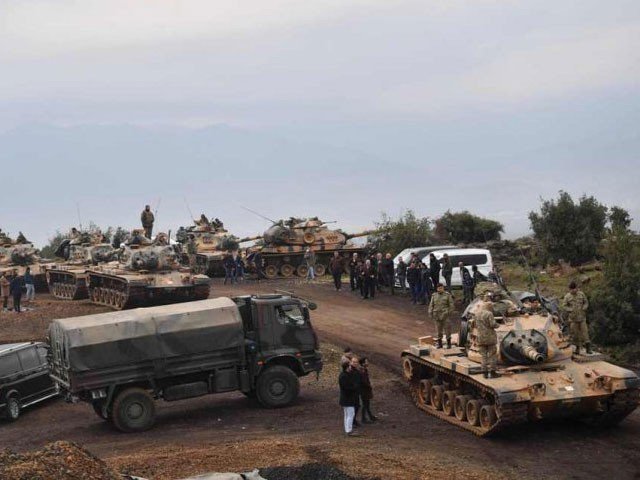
(79, 217)
(189, 209)
(258, 214)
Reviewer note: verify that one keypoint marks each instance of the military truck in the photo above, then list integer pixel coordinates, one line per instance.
(540, 376)
(68, 280)
(284, 244)
(120, 362)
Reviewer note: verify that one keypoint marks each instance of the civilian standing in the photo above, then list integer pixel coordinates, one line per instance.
(15, 288)
(447, 271)
(401, 270)
(349, 382)
(467, 284)
(28, 283)
(388, 273)
(413, 278)
(366, 392)
(310, 260)
(369, 277)
(353, 271)
(434, 269)
(336, 265)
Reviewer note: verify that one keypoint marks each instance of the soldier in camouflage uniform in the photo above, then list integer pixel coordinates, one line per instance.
(486, 338)
(147, 218)
(575, 303)
(440, 308)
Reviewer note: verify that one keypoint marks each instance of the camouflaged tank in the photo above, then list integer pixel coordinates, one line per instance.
(16, 256)
(205, 246)
(68, 280)
(285, 243)
(540, 377)
(146, 273)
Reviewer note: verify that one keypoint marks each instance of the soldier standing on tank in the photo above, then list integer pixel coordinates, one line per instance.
(336, 265)
(575, 303)
(440, 308)
(353, 271)
(486, 338)
(147, 218)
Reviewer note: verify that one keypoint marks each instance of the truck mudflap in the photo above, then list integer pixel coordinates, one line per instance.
(311, 364)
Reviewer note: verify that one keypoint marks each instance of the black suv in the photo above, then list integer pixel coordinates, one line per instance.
(24, 377)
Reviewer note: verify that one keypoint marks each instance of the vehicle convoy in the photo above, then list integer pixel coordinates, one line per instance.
(120, 362)
(24, 377)
(284, 244)
(205, 246)
(68, 280)
(17, 255)
(539, 376)
(146, 273)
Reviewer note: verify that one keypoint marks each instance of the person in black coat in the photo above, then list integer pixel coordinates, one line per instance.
(434, 269)
(350, 381)
(336, 265)
(388, 271)
(369, 278)
(366, 392)
(15, 289)
(353, 271)
(413, 278)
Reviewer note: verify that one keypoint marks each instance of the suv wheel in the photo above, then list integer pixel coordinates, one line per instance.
(133, 410)
(13, 408)
(277, 386)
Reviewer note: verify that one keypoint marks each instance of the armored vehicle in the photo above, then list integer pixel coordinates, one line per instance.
(205, 245)
(119, 362)
(68, 280)
(539, 376)
(146, 273)
(284, 244)
(18, 255)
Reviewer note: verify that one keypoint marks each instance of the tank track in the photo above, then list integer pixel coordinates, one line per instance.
(507, 414)
(117, 295)
(66, 286)
(620, 405)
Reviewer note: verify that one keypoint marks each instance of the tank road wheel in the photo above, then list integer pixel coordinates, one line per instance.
(448, 402)
(286, 270)
(460, 406)
(133, 410)
(473, 411)
(301, 271)
(320, 270)
(407, 368)
(437, 393)
(487, 416)
(277, 386)
(309, 238)
(424, 392)
(271, 271)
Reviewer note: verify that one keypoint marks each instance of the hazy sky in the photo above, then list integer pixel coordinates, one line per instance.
(430, 105)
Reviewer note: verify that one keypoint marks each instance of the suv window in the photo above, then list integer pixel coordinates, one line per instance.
(29, 358)
(9, 365)
(476, 259)
(291, 315)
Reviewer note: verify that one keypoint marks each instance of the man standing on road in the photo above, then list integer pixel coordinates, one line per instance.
(353, 271)
(4, 290)
(388, 273)
(434, 269)
(440, 308)
(379, 276)
(147, 218)
(310, 260)
(426, 286)
(28, 282)
(447, 271)
(487, 339)
(467, 284)
(413, 277)
(15, 289)
(401, 270)
(369, 278)
(336, 265)
(349, 382)
(575, 303)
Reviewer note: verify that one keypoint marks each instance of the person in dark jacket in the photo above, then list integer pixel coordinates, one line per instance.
(360, 277)
(239, 268)
(388, 272)
(353, 271)
(401, 270)
(229, 264)
(369, 279)
(426, 287)
(336, 265)
(477, 276)
(15, 289)
(350, 381)
(434, 269)
(366, 392)
(413, 278)
(467, 284)
(447, 271)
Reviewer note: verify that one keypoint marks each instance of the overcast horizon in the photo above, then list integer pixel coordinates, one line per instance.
(337, 109)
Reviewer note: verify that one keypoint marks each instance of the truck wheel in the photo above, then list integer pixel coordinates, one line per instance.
(277, 386)
(133, 410)
(13, 408)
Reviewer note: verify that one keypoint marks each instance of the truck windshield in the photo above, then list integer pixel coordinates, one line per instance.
(291, 315)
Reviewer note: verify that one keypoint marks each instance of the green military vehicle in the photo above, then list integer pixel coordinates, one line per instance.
(540, 374)
(120, 362)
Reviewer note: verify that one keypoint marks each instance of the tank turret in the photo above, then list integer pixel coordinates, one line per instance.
(205, 244)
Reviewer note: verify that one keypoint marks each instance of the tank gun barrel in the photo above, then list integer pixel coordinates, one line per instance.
(531, 353)
(360, 234)
(250, 239)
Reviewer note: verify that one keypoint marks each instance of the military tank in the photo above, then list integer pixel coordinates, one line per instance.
(146, 273)
(539, 375)
(17, 255)
(284, 244)
(68, 280)
(205, 246)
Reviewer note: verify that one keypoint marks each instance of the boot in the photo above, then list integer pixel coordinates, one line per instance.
(448, 343)
(588, 348)
(439, 345)
(577, 352)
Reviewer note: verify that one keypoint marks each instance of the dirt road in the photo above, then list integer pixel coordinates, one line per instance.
(231, 432)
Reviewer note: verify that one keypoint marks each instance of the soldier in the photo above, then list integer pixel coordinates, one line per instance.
(204, 221)
(147, 220)
(467, 284)
(575, 303)
(336, 265)
(486, 338)
(447, 271)
(21, 239)
(440, 308)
